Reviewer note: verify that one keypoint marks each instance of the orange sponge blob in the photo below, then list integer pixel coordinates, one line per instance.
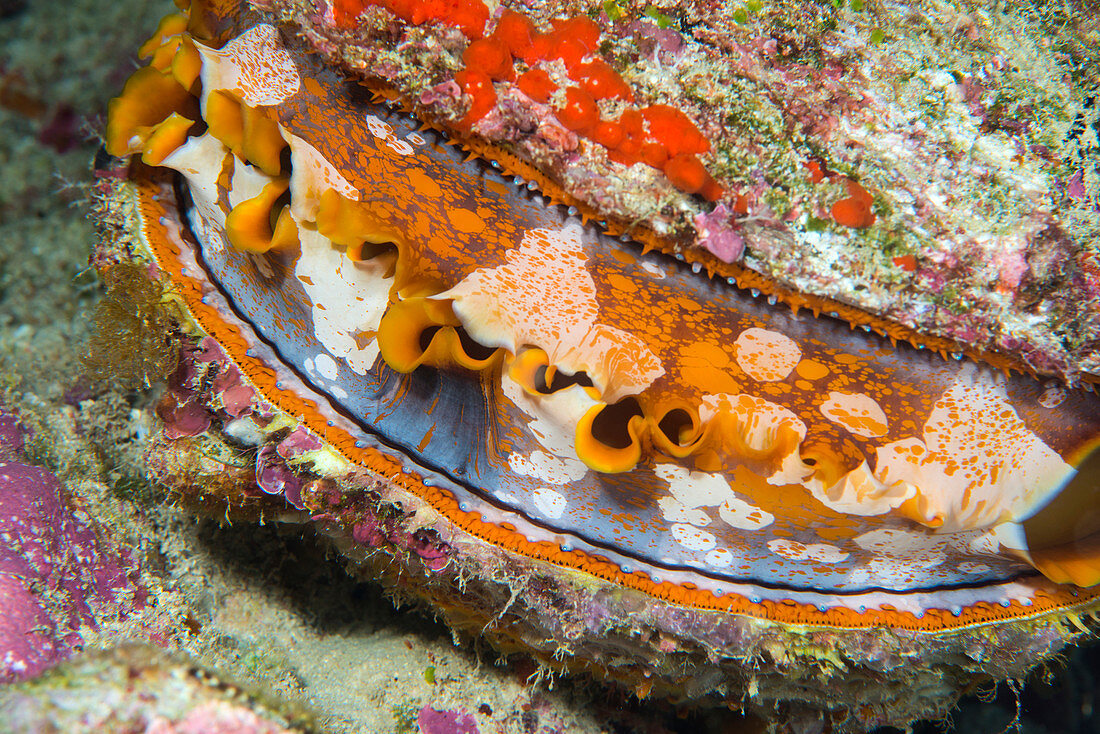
(601, 81)
(579, 113)
(674, 129)
(686, 173)
(581, 29)
(854, 210)
(469, 16)
(515, 31)
(479, 86)
(491, 56)
(537, 85)
(853, 213)
(607, 133)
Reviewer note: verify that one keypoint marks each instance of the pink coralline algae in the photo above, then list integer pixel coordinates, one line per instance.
(370, 530)
(273, 474)
(135, 688)
(1075, 187)
(207, 388)
(215, 717)
(54, 575)
(431, 721)
(274, 477)
(299, 442)
(650, 37)
(180, 409)
(716, 233)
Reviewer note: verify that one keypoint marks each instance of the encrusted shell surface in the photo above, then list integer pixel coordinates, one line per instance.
(976, 132)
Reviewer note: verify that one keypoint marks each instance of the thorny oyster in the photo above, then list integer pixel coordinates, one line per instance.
(508, 371)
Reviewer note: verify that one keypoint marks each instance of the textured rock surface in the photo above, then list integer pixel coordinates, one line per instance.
(55, 575)
(135, 689)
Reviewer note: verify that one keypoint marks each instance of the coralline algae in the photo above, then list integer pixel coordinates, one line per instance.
(55, 576)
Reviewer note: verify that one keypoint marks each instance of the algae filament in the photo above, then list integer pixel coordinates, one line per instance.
(132, 342)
